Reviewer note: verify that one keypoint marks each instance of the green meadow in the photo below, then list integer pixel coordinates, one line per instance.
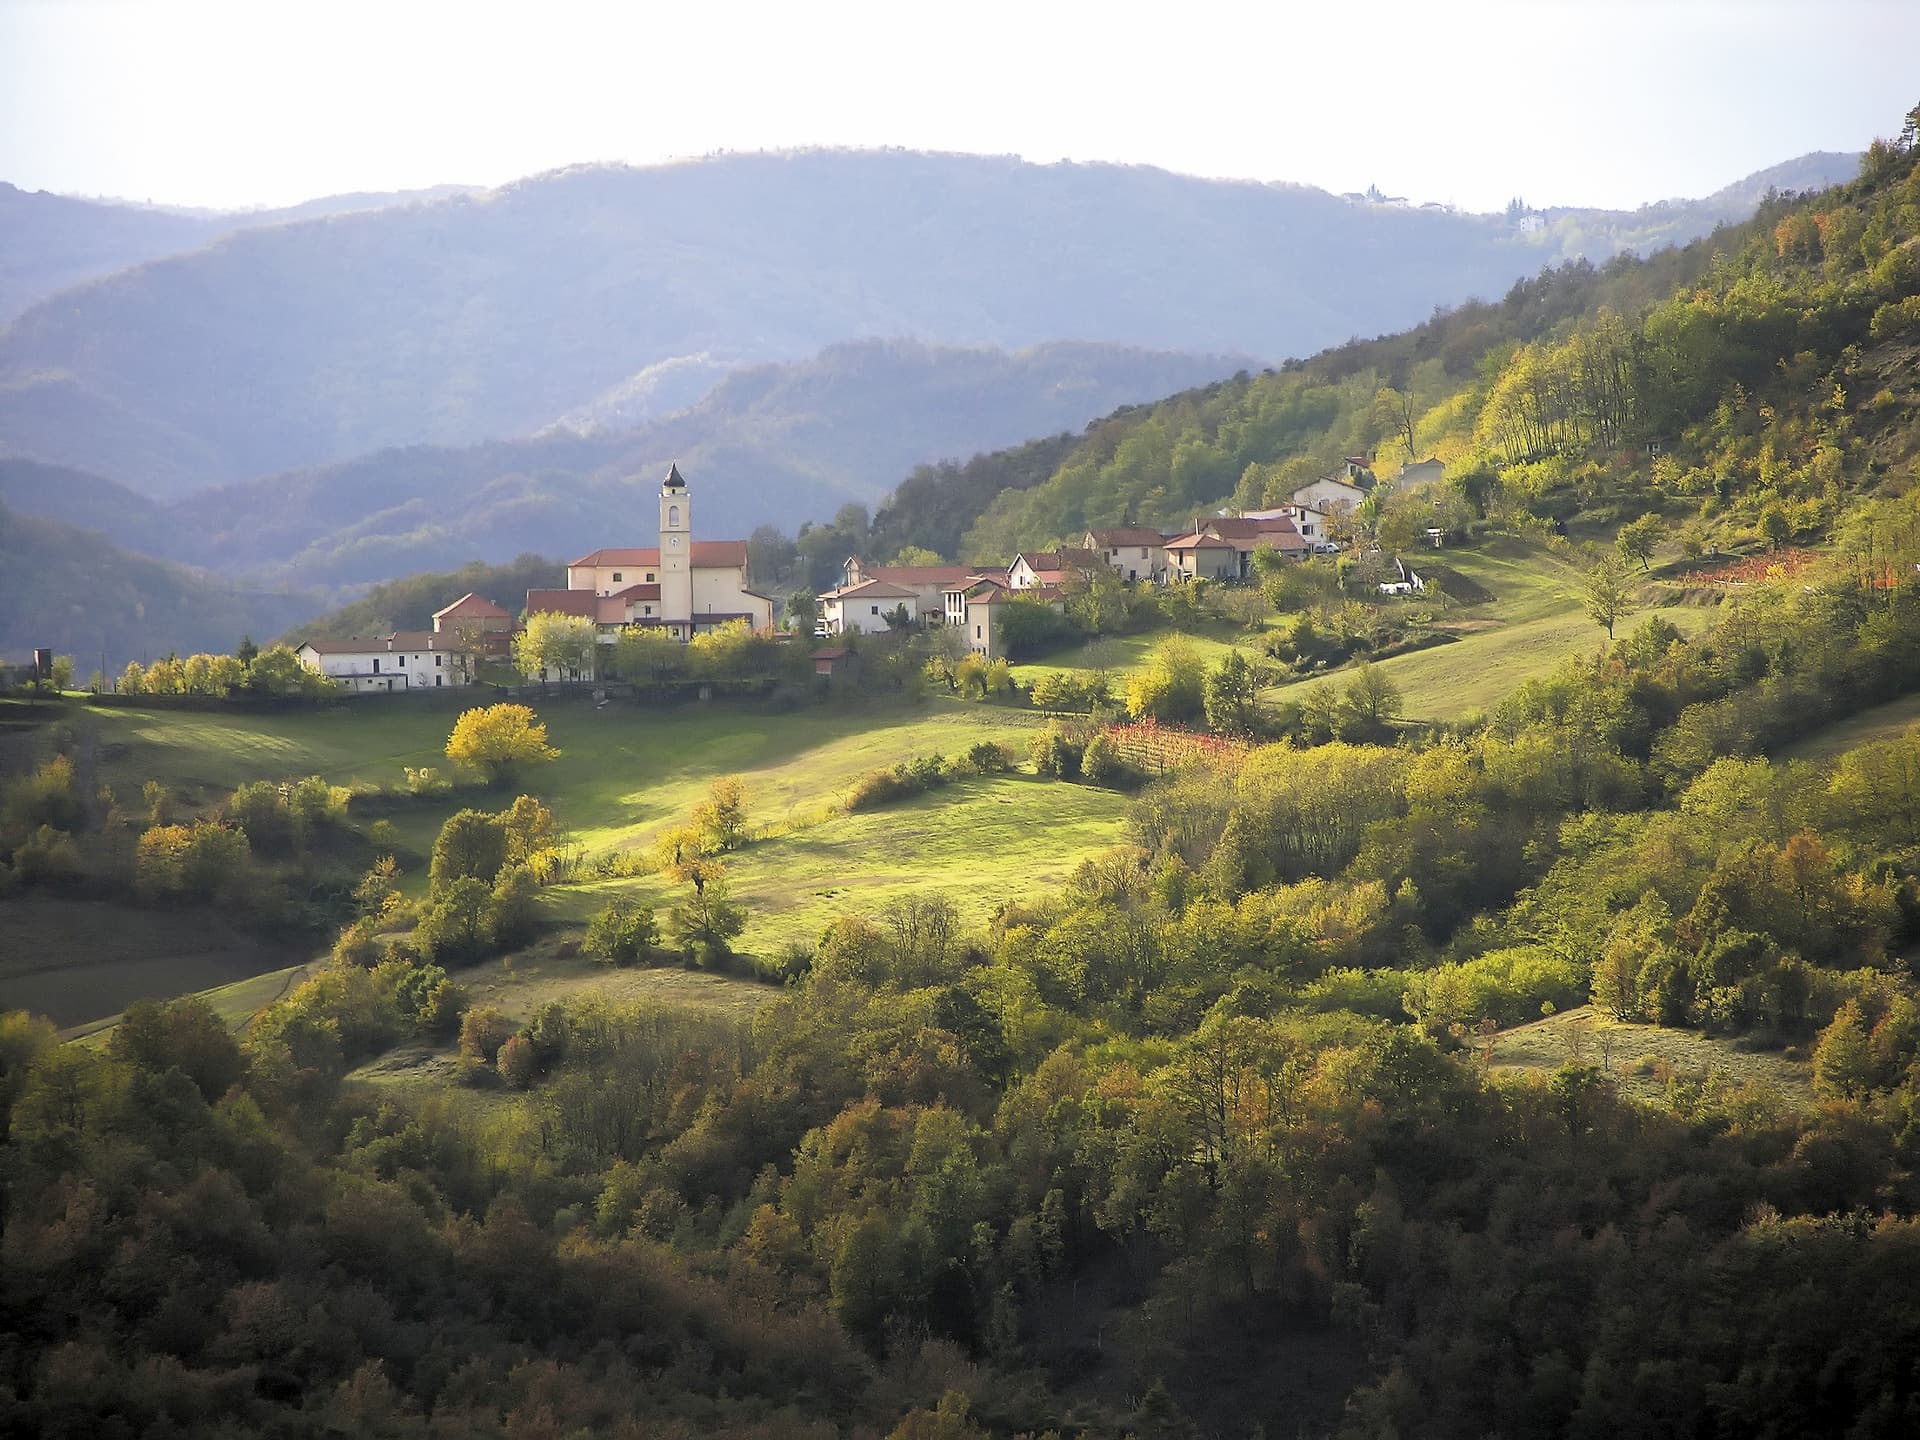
(1532, 623)
(624, 774)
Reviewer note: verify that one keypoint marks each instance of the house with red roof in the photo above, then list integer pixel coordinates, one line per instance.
(1054, 568)
(925, 584)
(864, 607)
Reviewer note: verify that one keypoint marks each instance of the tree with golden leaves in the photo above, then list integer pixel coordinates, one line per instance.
(498, 739)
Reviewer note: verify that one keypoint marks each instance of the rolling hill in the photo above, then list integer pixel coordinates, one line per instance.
(55, 242)
(492, 315)
(77, 592)
(773, 444)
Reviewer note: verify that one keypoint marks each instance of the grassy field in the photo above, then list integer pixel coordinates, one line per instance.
(79, 960)
(1641, 1057)
(975, 841)
(1123, 654)
(624, 774)
(1533, 623)
(1882, 722)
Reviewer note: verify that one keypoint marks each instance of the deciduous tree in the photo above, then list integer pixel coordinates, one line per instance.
(498, 740)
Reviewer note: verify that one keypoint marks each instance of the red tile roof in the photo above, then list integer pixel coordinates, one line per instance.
(1116, 538)
(917, 574)
(475, 606)
(871, 590)
(562, 602)
(707, 555)
(1234, 528)
(1199, 541)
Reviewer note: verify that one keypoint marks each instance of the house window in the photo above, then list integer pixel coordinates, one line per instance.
(376, 666)
(649, 577)
(439, 679)
(1143, 552)
(648, 609)
(673, 517)
(402, 662)
(976, 632)
(876, 609)
(616, 577)
(436, 665)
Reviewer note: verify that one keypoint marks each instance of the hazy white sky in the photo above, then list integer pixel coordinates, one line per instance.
(204, 102)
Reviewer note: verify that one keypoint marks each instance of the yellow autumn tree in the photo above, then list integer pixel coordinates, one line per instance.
(498, 739)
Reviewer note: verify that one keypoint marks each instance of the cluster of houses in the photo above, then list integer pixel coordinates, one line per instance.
(683, 586)
(967, 597)
(680, 586)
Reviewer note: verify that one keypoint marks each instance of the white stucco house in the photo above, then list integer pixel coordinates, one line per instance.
(404, 660)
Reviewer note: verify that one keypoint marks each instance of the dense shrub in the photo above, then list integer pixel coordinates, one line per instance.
(623, 932)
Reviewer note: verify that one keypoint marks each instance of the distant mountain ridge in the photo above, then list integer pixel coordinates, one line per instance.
(773, 444)
(492, 315)
(50, 243)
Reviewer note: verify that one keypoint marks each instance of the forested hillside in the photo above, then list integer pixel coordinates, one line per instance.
(50, 243)
(1762, 364)
(76, 592)
(1236, 1124)
(493, 315)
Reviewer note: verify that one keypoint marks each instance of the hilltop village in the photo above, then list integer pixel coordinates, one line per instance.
(682, 587)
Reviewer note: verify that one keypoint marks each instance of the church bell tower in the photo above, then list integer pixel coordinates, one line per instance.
(676, 551)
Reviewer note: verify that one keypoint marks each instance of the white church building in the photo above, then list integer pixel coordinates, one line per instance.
(682, 585)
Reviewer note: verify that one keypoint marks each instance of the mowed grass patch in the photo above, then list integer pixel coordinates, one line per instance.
(1124, 654)
(76, 961)
(980, 843)
(624, 771)
(1640, 1058)
(1869, 727)
(549, 972)
(236, 1004)
(1533, 623)
(619, 783)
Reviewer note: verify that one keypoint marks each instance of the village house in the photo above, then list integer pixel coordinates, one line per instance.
(864, 608)
(405, 660)
(926, 585)
(477, 620)
(1420, 472)
(1052, 568)
(1137, 554)
(1313, 523)
(681, 585)
(1202, 555)
(1331, 494)
(1246, 534)
(982, 607)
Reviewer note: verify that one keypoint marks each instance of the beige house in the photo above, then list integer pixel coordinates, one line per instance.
(1137, 554)
(1247, 534)
(1202, 556)
(404, 660)
(983, 607)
